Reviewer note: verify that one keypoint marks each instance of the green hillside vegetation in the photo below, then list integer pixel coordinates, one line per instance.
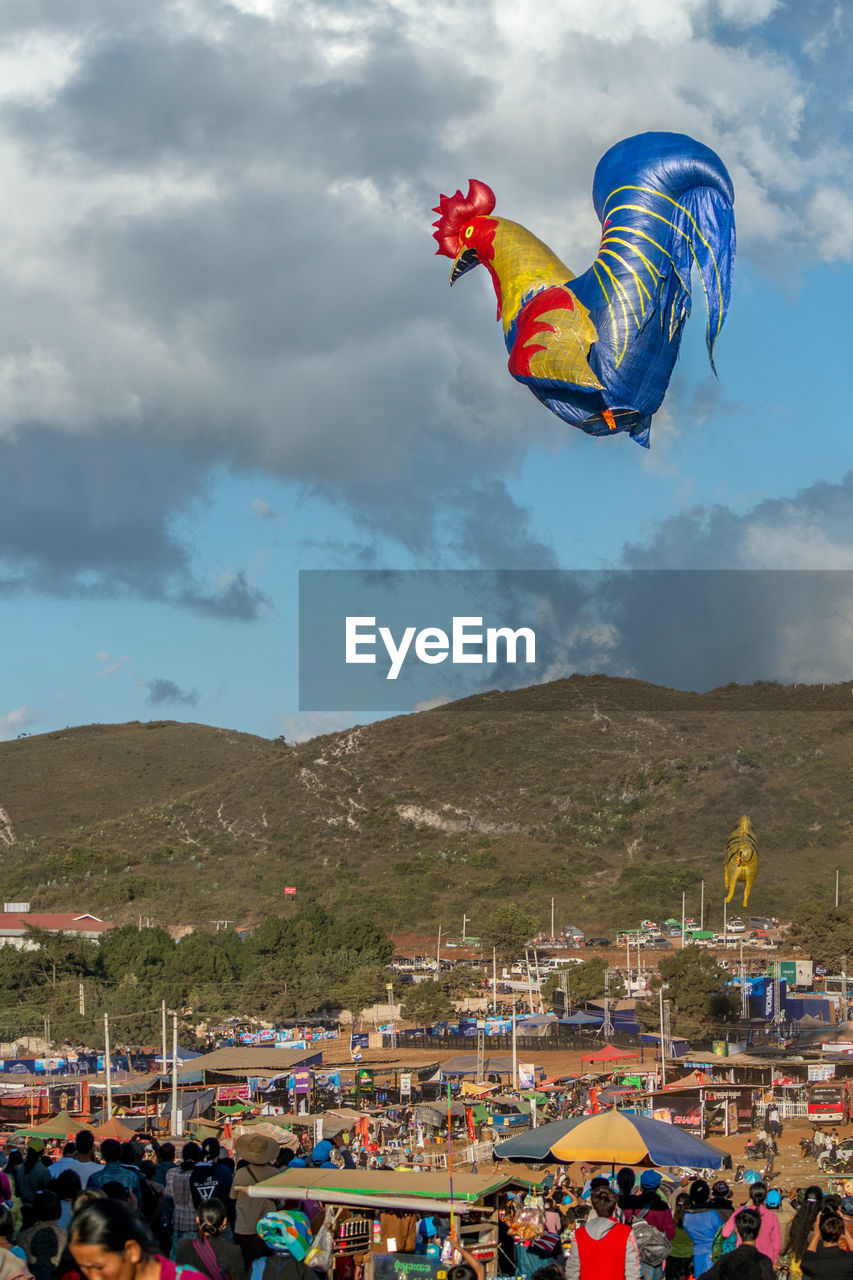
(285, 969)
(613, 796)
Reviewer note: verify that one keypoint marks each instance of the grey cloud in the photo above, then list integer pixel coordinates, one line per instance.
(162, 691)
(812, 530)
(92, 517)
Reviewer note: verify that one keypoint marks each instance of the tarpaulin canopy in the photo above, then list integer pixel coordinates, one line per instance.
(609, 1053)
(465, 1064)
(113, 1128)
(693, 1081)
(581, 1019)
(61, 1126)
(611, 1137)
(422, 1193)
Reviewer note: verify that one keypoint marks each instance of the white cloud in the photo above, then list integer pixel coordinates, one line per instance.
(14, 723)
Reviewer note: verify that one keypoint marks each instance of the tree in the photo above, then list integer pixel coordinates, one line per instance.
(696, 989)
(583, 982)
(427, 1002)
(825, 933)
(508, 930)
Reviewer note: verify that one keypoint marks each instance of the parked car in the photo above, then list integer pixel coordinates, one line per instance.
(598, 942)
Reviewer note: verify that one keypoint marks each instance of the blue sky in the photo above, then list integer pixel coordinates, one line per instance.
(228, 353)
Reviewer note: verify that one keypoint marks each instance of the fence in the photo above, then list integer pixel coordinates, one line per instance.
(566, 1040)
(792, 1108)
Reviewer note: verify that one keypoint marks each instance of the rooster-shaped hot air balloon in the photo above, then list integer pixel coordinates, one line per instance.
(598, 349)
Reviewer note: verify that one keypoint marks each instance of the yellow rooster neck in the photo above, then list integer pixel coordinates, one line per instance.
(523, 264)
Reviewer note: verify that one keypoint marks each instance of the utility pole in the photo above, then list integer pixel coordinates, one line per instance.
(108, 1065)
(438, 953)
(837, 886)
(529, 979)
(494, 980)
(514, 1047)
(608, 1029)
(82, 999)
(744, 998)
(702, 907)
(662, 1041)
(466, 920)
(47, 1032)
(177, 1120)
(683, 917)
(725, 926)
(553, 935)
(538, 979)
(389, 987)
(163, 1029)
(844, 1006)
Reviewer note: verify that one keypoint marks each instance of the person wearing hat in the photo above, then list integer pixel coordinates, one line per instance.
(721, 1199)
(256, 1154)
(287, 1236)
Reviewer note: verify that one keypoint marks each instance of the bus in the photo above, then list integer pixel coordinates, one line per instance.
(829, 1102)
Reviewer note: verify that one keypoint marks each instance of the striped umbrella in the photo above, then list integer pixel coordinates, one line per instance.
(612, 1137)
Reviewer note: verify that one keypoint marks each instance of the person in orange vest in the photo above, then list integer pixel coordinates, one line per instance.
(604, 1249)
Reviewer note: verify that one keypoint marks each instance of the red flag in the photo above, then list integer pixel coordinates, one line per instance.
(290, 891)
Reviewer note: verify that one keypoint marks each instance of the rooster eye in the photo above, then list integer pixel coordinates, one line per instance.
(469, 231)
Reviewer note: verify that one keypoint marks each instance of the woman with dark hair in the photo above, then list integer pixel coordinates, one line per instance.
(179, 1194)
(208, 1252)
(32, 1176)
(679, 1264)
(44, 1241)
(108, 1241)
(829, 1261)
(801, 1229)
(769, 1240)
(66, 1186)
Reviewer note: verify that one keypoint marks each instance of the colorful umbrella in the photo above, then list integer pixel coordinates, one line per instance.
(612, 1137)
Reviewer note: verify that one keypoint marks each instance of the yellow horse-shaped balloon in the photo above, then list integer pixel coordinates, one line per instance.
(741, 859)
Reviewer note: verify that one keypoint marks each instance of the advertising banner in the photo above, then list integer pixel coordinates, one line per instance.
(301, 1082)
(233, 1093)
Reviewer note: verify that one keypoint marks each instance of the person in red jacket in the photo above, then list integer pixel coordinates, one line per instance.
(604, 1249)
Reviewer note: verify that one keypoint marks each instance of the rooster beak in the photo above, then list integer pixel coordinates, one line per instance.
(465, 261)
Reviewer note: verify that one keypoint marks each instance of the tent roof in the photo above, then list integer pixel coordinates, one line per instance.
(424, 1192)
(609, 1053)
(240, 1060)
(693, 1081)
(59, 1127)
(113, 1128)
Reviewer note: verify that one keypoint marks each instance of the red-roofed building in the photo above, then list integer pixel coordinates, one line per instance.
(13, 926)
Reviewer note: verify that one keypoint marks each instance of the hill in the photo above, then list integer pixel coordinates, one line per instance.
(613, 796)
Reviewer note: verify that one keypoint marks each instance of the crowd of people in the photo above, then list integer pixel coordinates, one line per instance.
(141, 1211)
(138, 1211)
(620, 1230)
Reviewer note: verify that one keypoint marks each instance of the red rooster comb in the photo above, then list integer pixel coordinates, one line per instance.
(456, 211)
